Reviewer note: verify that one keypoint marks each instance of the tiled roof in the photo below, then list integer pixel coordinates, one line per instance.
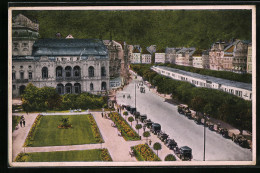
(68, 47)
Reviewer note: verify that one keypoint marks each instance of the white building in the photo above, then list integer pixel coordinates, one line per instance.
(146, 58)
(184, 56)
(197, 61)
(136, 56)
(243, 90)
(159, 58)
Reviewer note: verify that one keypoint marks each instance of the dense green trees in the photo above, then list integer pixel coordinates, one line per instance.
(198, 28)
(47, 98)
(218, 104)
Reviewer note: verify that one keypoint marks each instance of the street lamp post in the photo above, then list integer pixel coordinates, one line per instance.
(135, 94)
(204, 137)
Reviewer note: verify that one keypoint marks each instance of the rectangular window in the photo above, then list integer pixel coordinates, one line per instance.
(14, 87)
(30, 75)
(21, 75)
(13, 75)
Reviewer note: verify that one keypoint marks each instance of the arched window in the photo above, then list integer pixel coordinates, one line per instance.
(44, 72)
(25, 49)
(103, 71)
(104, 86)
(60, 88)
(15, 49)
(59, 72)
(68, 88)
(68, 71)
(76, 71)
(91, 71)
(77, 88)
(91, 87)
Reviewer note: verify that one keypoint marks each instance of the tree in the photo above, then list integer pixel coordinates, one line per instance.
(169, 157)
(125, 114)
(157, 146)
(131, 119)
(138, 126)
(146, 134)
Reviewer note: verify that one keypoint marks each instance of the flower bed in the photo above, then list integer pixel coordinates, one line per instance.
(144, 153)
(127, 132)
(95, 129)
(105, 156)
(31, 133)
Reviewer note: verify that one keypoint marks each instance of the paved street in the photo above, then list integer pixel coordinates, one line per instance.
(184, 131)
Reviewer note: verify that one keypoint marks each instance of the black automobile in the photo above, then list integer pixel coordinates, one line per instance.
(185, 153)
(156, 128)
(162, 136)
(132, 110)
(170, 143)
(148, 123)
(143, 117)
(137, 115)
(128, 107)
(224, 132)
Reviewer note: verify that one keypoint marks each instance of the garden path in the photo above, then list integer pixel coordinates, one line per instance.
(116, 145)
(19, 135)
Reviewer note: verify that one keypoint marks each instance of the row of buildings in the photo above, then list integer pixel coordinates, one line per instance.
(235, 56)
(70, 65)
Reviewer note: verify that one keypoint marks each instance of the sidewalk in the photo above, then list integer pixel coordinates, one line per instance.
(161, 153)
(19, 135)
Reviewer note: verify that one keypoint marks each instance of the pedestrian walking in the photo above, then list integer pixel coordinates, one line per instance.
(24, 123)
(21, 123)
(102, 115)
(150, 142)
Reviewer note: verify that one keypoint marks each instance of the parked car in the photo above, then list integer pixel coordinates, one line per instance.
(241, 141)
(184, 153)
(128, 107)
(162, 136)
(132, 110)
(223, 132)
(143, 117)
(211, 127)
(137, 115)
(142, 89)
(156, 128)
(197, 120)
(148, 123)
(170, 143)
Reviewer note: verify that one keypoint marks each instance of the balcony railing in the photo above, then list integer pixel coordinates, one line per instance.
(74, 78)
(22, 80)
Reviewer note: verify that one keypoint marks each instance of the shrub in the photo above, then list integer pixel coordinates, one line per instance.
(170, 157)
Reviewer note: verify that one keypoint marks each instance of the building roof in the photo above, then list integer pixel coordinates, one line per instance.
(145, 51)
(210, 78)
(69, 47)
(190, 50)
(136, 50)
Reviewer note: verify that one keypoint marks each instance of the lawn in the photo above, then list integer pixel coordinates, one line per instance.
(47, 132)
(59, 156)
(15, 121)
